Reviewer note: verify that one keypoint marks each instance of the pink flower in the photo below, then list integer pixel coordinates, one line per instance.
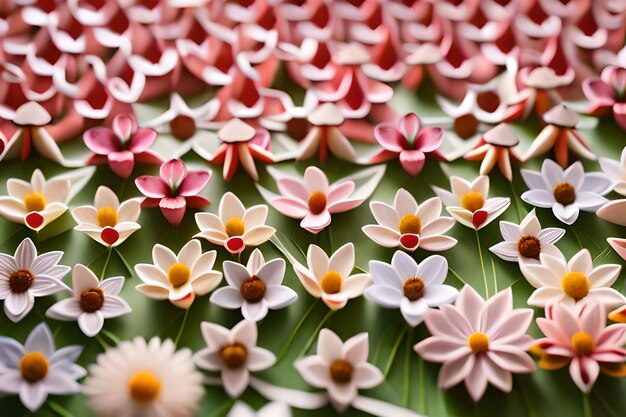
(607, 93)
(174, 190)
(122, 145)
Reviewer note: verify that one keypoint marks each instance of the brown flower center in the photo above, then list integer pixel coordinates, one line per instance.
(410, 223)
(107, 216)
(582, 343)
(21, 280)
(317, 202)
(564, 193)
(472, 201)
(478, 342)
(178, 274)
(576, 285)
(234, 356)
(234, 227)
(34, 202)
(413, 288)
(341, 371)
(253, 289)
(34, 367)
(91, 300)
(182, 127)
(466, 126)
(529, 246)
(144, 386)
(331, 282)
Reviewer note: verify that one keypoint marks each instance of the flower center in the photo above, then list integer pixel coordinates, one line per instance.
(529, 246)
(331, 282)
(182, 127)
(91, 300)
(20, 280)
(234, 356)
(410, 223)
(107, 216)
(234, 227)
(478, 342)
(178, 274)
(341, 371)
(472, 201)
(253, 289)
(564, 193)
(144, 386)
(582, 343)
(317, 202)
(413, 288)
(34, 202)
(575, 284)
(466, 126)
(34, 367)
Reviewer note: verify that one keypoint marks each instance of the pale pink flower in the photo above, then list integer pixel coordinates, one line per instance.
(606, 94)
(496, 146)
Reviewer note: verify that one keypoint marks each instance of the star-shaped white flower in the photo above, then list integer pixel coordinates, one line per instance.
(616, 171)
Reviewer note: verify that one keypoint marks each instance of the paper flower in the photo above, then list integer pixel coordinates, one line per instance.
(108, 222)
(235, 227)
(143, 378)
(469, 204)
(122, 146)
(572, 283)
(496, 146)
(330, 278)
(179, 278)
(581, 340)
(478, 341)
(566, 192)
(234, 353)
(27, 275)
(273, 409)
(613, 211)
(616, 171)
(174, 190)
(36, 369)
(607, 93)
(618, 245)
(408, 141)
(92, 301)
(254, 288)
(341, 368)
(526, 241)
(325, 135)
(410, 287)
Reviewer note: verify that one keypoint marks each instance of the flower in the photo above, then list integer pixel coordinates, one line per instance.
(139, 378)
(234, 353)
(108, 222)
(607, 92)
(27, 275)
(410, 287)
(618, 245)
(618, 315)
(273, 409)
(572, 283)
(339, 367)
(478, 341)
(236, 227)
(468, 202)
(174, 190)
(582, 340)
(36, 369)
(566, 192)
(329, 278)
(409, 225)
(325, 135)
(122, 146)
(93, 301)
(526, 241)
(616, 171)
(496, 145)
(179, 278)
(255, 287)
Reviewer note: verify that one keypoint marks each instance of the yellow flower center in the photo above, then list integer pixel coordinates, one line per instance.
(20, 280)
(331, 282)
(317, 202)
(91, 300)
(107, 216)
(582, 343)
(144, 386)
(253, 289)
(564, 193)
(234, 227)
(34, 367)
(472, 201)
(410, 223)
(234, 356)
(178, 274)
(413, 288)
(34, 202)
(341, 371)
(529, 246)
(575, 284)
(478, 342)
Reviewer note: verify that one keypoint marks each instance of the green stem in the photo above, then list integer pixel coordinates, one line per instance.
(111, 336)
(106, 263)
(457, 276)
(182, 327)
(604, 404)
(330, 239)
(102, 342)
(516, 202)
(293, 333)
(394, 351)
(128, 268)
(495, 279)
(577, 238)
(314, 335)
(58, 409)
(482, 265)
(588, 236)
(407, 370)
(586, 406)
(422, 387)
(123, 188)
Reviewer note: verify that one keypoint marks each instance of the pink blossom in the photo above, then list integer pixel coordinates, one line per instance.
(608, 93)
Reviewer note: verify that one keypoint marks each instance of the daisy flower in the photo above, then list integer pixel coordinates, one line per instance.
(409, 225)
(235, 227)
(273, 409)
(341, 368)
(478, 341)
(469, 204)
(108, 222)
(572, 283)
(27, 275)
(410, 287)
(526, 241)
(254, 288)
(329, 278)
(616, 171)
(142, 379)
(234, 353)
(179, 278)
(92, 301)
(36, 369)
(565, 191)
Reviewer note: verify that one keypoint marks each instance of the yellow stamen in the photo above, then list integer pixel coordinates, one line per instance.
(472, 201)
(317, 202)
(331, 282)
(34, 367)
(144, 386)
(413, 288)
(178, 274)
(478, 342)
(234, 356)
(234, 227)
(410, 223)
(583, 343)
(576, 285)
(107, 216)
(34, 202)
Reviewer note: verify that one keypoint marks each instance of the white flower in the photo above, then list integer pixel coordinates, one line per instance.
(273, 409)
(255, 287)
(341, 368)
(108, 222)
(526, 241)
(410, 287)
(409, 225)
(37, 369)
(616, 171)
(93, 301)
(566, 192)
(25, 276)
(329, 278)
(468, 202)
(179, 278)
(572, 283)
(144, 379)
(234, 353)
(236, 227)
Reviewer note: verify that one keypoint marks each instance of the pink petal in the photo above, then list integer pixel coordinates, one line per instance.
(316, 222)
(412, 161)
(598, 92)
(123, 126)
(290, 207)
(142, 140)
(619, 111)
(122, 163)
(173, 209)
(409, 126)
(388, 137)
(340, 191)
(101, 140)
(193, 183)
(173, 172)
(429, 139)
(153, 187)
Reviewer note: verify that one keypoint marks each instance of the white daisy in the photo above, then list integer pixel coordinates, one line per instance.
(273, 409)
(616, 171)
